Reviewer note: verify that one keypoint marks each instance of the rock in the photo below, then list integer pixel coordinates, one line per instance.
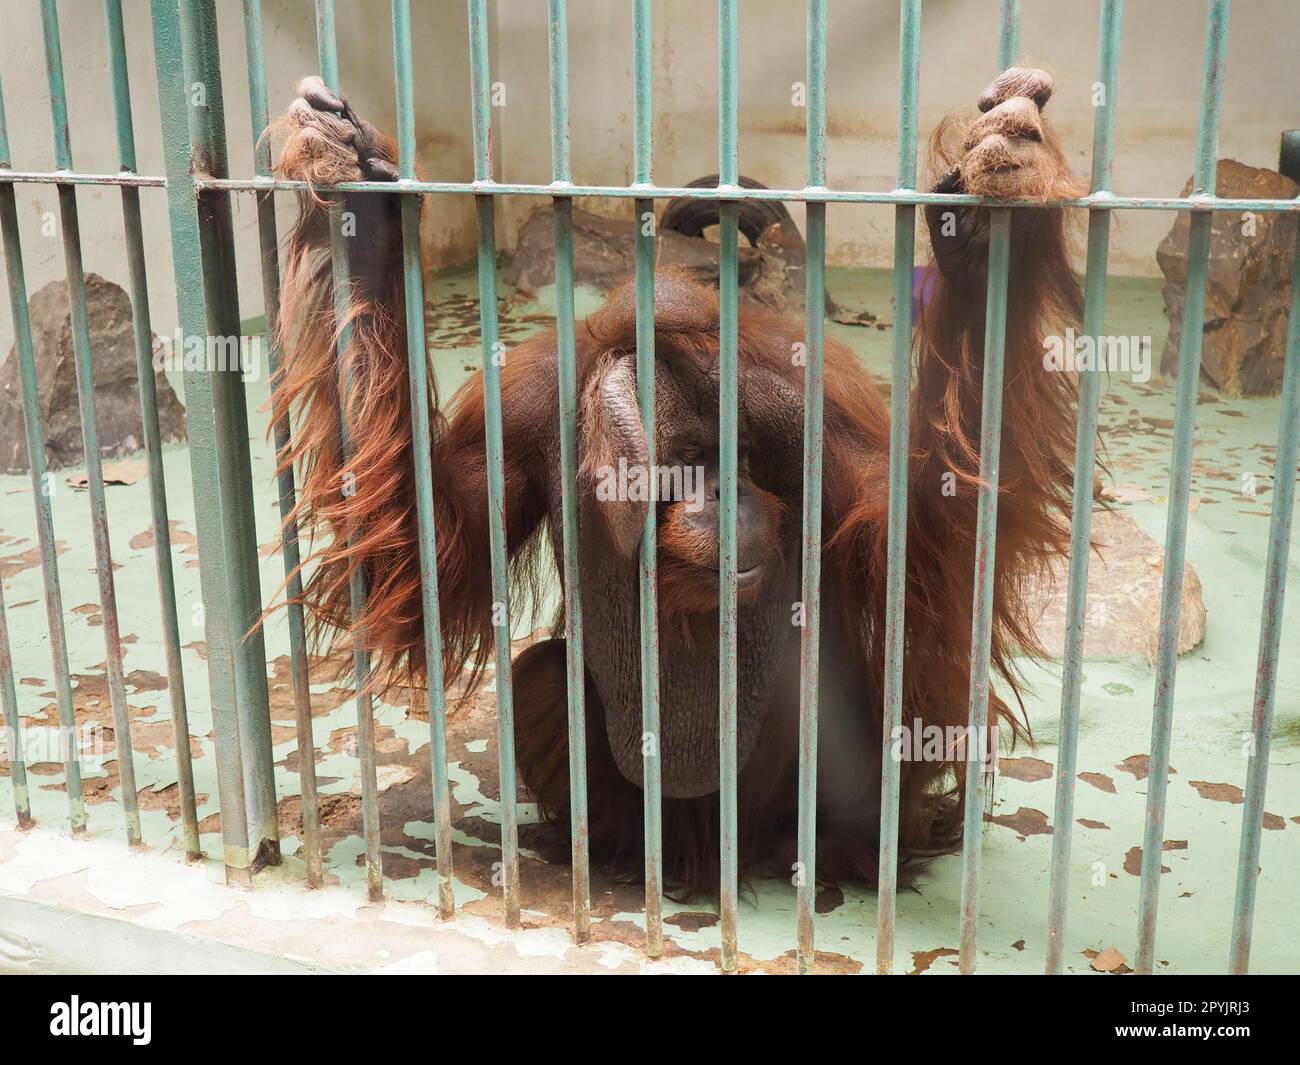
(1248, 293)
(1123, 613)
(117, 401)
(771, 273)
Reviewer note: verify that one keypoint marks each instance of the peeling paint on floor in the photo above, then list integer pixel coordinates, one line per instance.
(52, 886)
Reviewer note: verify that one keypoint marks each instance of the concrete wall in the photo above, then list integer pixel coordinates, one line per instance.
(1159, 93)
(365, 57)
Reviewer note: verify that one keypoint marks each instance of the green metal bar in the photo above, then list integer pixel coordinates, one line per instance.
(643, 89)
(986, 521)
(201, 53)
(558, 48)
(492, 351)
(1180, 482)
(268, 245)
(1270, 637)
(728, 428)
(122, 120)
(68, 177)
(202, 57)
(728, 94)
(422, 436)
(140, 319)
(83, 359)
(11, 722)
(54, 74)
(480, 87)
(1085, 456)
(557, 43)
(644, 243)
(327, 47)
(326, 44)
(813, 405)
(909, 53)
(985, 543)
(1009, 34)
(186, 147)
(42, 489)
(488, 187)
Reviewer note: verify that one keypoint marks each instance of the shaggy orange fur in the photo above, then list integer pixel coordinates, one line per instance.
(1006, 152)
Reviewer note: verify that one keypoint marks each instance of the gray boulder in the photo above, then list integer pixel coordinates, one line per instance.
(117, 400)
(1248, 293)
(1122, 616)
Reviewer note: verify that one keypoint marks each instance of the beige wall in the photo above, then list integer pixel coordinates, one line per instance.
(365, 58)
(1159, 92)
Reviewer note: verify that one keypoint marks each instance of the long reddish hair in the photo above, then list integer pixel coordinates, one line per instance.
(364, 507)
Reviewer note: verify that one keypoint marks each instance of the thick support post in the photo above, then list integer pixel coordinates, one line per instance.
(189, 91)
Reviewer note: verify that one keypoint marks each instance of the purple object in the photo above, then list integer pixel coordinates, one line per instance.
(924, 279)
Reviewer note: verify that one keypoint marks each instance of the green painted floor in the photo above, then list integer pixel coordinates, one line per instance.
(1226, 545)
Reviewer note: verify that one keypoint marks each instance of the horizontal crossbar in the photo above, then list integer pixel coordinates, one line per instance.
(809, 194)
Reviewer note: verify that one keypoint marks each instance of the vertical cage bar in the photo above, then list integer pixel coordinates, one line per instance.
(492, 352)
(1270, 637)
(909, 50)
(1008, 34)
(42, 489)
(209, 419)
(986, 526)
(1085, 455)
(813, 403)
(728, 425)
(558, 52)
(268, 245)
(985, 542)
(140, 319)
(122, 121)
(422, 437)
(84, 361)
(187, 59)
(1180, 480)
(240, 570)
(643, 122)
(11, 723)
(327, 47)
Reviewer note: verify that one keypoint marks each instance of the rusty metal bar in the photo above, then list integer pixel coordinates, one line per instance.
(643, 123)
(480, 88)
(84, 361)
(558, 50)
(162, 544)
(193, 139)
(268, 245)
(11, 724)
(327, 46)
(1270, 636)
(813, 441)
(728, 428)
(421, 435)
(42, 490)
(909, 53)
(1180, 483)
(1085, 455)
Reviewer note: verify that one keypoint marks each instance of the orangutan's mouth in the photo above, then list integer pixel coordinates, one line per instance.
(747, 578)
